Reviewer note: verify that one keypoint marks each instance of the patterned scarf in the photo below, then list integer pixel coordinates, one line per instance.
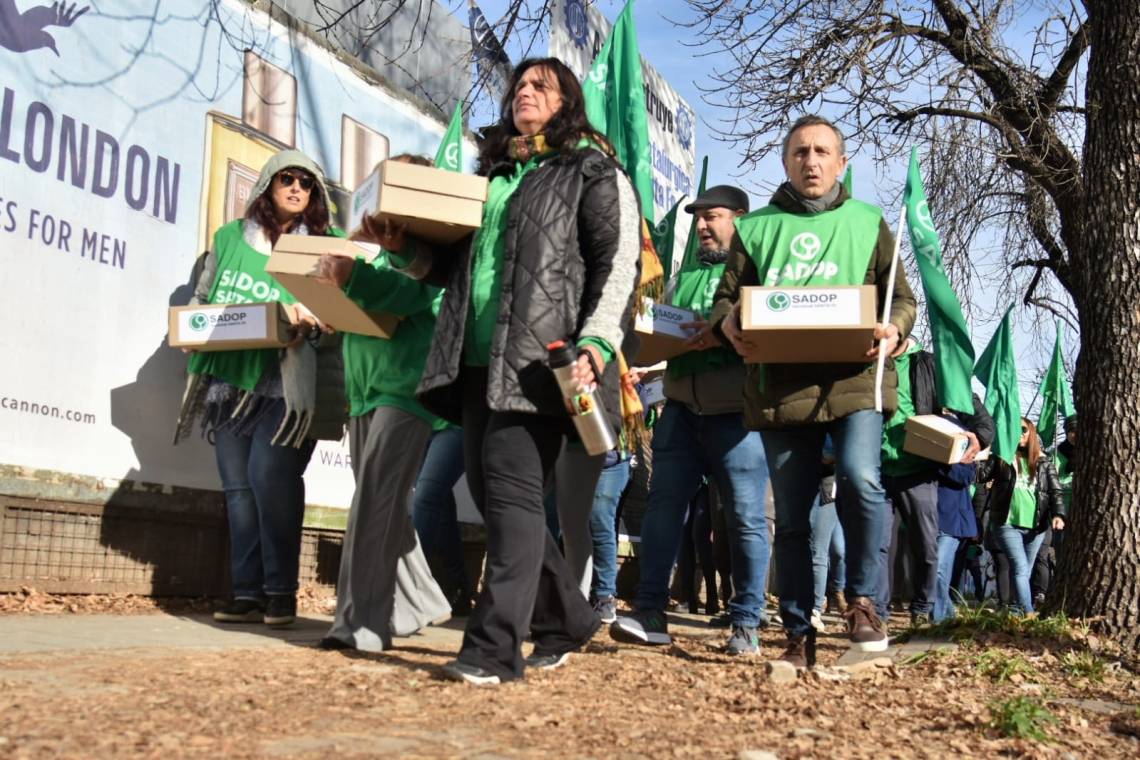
(523, 148)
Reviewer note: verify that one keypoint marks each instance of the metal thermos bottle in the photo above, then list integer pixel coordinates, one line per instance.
(585, 409)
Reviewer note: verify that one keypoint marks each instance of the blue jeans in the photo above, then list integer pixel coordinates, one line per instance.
(434, 509)
(687, 447)
(947, 550)
(824, 521)
(794, 461)
(265, 506)
(1020, 546)
(838, 573)
(603, 527)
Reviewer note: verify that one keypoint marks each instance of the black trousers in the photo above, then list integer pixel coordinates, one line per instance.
(915, 498)
(528, 585)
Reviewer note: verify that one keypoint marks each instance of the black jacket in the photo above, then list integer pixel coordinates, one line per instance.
(1049, 501)
(570, 268)
(924, 395)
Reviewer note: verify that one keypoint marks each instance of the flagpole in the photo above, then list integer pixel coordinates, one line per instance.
(882, 363)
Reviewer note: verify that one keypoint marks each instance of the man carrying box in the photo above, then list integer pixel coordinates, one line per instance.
(701, 432)
(911, 481)
(813, 233)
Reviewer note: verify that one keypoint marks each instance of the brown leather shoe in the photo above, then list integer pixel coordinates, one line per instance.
(865, 629)
(836, 603)
(800, 651)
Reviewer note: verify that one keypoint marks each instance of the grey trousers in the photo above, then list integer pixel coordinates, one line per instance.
(384, 588)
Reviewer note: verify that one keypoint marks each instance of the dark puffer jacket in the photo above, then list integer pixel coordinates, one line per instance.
(570, 270)
(1048, 491)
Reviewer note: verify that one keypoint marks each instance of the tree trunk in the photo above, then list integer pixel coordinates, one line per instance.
(1100, 572)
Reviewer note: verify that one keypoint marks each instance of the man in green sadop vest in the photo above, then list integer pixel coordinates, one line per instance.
(701, 433)
(813, 233)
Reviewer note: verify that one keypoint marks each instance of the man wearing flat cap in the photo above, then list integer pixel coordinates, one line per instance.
(701, 434)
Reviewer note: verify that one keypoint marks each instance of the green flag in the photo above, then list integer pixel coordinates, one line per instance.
(1055, 395)
(998, 372)
(615, 103)
(450, 153)
(691, 243)
(953, 350)
(663, 238)
(848, 182)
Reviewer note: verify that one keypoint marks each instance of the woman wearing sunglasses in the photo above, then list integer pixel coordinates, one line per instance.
(1025, 501)
(264, 408)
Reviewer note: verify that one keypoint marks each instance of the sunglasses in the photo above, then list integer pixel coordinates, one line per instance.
(1024, 430)
(286, 179)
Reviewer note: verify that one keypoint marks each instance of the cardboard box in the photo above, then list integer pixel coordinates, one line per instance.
(293, 263)
(936, 438)
(229, 327)
(436, 205)
(809, 324)
(659, 329)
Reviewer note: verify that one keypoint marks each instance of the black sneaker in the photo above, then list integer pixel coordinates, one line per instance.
(642, 627)
(547, 661)
(332, 643)
(280, 610)
(460, 671)
(241, 611)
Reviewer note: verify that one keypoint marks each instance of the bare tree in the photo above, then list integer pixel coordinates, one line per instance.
(1018, 148)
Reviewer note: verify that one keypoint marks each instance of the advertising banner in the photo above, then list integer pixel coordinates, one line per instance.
(126, 139)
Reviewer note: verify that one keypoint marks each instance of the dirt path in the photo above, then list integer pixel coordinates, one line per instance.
(161, 685)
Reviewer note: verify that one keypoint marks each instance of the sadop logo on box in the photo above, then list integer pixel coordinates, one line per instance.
(779, 301)
(199, 322)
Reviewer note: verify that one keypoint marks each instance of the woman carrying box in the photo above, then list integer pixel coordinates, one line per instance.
(265, 408)
(556, 258)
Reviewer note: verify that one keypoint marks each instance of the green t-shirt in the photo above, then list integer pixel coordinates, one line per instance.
(897, 462)
(694, 290)
(487, 251)
(1023, 504)
(385, 371)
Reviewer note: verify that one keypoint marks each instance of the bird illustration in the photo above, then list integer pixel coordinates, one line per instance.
(21, 32)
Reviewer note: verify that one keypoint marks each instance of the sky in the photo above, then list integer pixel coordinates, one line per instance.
(663, 44)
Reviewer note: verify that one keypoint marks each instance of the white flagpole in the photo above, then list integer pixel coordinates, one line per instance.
(881, 366)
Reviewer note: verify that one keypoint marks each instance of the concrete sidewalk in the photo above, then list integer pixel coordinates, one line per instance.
(26, 634)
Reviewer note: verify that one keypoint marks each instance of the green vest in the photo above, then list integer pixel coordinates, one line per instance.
(696, 286)
(240, 278)
(829, 248)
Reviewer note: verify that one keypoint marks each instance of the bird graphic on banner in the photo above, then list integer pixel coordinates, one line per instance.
(23, 32)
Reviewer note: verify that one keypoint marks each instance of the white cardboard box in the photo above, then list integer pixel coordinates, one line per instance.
(795, 325)
(935, 438)
(293, 263)
(659, 329)
(229, 327)
(436, 205)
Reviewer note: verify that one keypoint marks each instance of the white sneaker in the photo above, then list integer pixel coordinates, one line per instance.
(817, 621)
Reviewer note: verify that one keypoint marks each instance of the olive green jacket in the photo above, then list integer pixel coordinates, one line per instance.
(781, 395)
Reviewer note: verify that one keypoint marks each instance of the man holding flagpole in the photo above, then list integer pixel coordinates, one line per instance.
(812, 220)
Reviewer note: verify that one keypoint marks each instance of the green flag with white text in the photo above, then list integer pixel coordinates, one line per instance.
(615, 104)
(997, 371)
(450, 153)
(953, 349)
(1055, 395)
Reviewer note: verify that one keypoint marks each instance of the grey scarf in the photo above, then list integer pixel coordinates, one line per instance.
(814, 205)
